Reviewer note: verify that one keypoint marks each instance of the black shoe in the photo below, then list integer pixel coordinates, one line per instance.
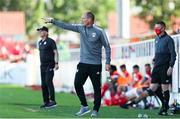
(51, 104)
(163, 112)
(125, 106)
(44, 105)
(146, 106)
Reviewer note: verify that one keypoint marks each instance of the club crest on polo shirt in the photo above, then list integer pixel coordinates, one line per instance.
(97, 73)
(45, 43)
(93, 35)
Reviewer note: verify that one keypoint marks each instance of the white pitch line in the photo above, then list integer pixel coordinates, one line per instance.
(32, 110)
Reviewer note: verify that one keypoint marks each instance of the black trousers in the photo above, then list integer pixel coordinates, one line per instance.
(94, 72)
(47, 74)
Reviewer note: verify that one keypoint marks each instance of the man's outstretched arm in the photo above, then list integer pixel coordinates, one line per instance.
(67, 26)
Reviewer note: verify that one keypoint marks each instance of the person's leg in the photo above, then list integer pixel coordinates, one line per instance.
(95, 76)
(119, 90)
(44, 86)
(145, 101)
(166, 93)
(165, 82)
(130, 95)
(105, 87)
(49, 81)
(157, 76)
(159, 94)
(111, 89)
(148, 92)
(80, 79)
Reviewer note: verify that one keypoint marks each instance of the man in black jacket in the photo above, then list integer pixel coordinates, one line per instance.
(164, 60)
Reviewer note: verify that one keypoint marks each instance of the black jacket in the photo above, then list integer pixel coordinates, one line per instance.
(164, 50)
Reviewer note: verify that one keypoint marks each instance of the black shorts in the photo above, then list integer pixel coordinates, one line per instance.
(159, 75)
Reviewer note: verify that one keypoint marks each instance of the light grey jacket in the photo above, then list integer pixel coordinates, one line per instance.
(91, 41)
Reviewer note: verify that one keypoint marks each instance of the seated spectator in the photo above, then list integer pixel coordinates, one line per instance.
(111, 84)
(124, 80)
(145, 83)
(138, 84)
(120, 99)
(124, 99)
(147, 78)
(136, 77)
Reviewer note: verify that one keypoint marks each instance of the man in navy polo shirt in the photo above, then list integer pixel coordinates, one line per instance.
(49, 61)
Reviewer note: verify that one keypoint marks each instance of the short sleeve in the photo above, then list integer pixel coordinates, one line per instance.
(53, 44)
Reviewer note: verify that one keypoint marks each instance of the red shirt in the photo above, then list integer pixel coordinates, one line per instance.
(137, 77)
(115, 75)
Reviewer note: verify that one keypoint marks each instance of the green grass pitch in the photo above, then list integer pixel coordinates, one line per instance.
(20, 102)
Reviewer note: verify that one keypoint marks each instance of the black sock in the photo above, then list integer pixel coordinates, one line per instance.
(159, 94)
(166, 99)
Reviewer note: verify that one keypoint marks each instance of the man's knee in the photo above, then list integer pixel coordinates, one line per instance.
(76, 84)
(165, 87)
